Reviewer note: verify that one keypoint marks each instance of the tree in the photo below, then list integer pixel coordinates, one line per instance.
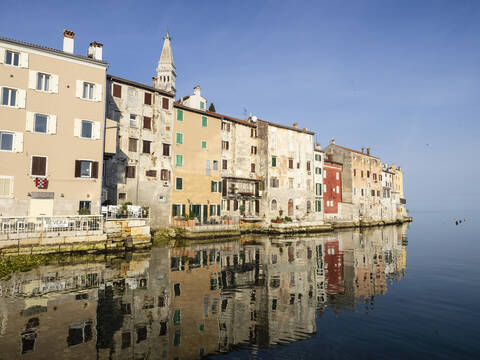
(212, 108)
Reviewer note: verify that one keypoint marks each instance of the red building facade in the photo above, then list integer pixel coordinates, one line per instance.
(334, 268)
(332, 186)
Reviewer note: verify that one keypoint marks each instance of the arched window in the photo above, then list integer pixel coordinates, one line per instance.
(309, 206)
(290, 207)
(274, 204)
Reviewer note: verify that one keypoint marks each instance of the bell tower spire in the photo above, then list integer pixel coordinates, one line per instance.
(166, 74)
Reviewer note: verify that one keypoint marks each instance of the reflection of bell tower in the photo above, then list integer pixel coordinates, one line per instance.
(166, 74)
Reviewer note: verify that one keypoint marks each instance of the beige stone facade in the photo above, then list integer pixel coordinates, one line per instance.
(140, 168)
(52, 111)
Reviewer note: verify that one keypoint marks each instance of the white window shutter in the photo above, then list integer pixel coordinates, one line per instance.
(79, 88)
(2, 55)
(24, 60)
(32, 79)
(52, 124)
(30, 121)
(98, 92)
(54, 84)
(77, 127)
(18, 142)
(22, 94)
(96, 130)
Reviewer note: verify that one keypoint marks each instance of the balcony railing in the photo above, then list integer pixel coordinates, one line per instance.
(50, 224)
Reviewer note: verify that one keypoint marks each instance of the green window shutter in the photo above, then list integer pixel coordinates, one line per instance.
(220, 184)
(176, 340)
(204, 121)
(218, 210)
(204, 144)
(202, 105)
(179, 138)
(183, 209)
(179, 185)
(179, 160)
(211, 186)
(212, 209)
(176, 317)
(274, 161)
(179, 115)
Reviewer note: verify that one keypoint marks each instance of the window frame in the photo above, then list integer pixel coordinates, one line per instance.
(91, 130)
(181, 138)
(47, 78)
(90, 90)
(180, 112)
(177, 157)
(13, 58)
(176, 183)
(31, 165)
(204, 121)
(9, 97)
(11, 190)
(148, 144)
(135, 119)
(46, 124)
(12, 133)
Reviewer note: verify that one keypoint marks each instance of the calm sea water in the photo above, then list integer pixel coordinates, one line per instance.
(394, 292)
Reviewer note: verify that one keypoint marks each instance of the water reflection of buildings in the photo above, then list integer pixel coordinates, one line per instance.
(187, 302)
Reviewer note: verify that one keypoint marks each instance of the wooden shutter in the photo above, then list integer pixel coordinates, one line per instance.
(148, 99)
(30, 121)
(95, 169)
(52, 124)
(77, 168)
(165, 104)
(117, 90)
(23, 61)
(32, 79)
(21, 98)
(2, 55)
(147, 122)
(54, 84)
(18, 142)
(39, 165)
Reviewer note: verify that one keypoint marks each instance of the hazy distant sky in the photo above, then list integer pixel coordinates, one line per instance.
(399, 76)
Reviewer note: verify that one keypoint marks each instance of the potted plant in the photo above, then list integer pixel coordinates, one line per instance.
(278, 220)
(83, 211)
(124, 210)
(242, 210)
(145, 210)
(191, 221)
(287, 219)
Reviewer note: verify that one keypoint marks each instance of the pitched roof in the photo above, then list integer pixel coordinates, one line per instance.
(140, 85)
(351, 150)
(288, 127)
(53, 51)
(215, 114)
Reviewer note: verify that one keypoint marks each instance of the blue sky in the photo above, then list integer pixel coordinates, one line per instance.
(393, 75)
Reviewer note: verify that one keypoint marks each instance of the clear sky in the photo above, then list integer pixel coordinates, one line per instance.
(400, 76)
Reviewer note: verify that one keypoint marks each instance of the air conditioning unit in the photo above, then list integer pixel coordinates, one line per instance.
(165, 183)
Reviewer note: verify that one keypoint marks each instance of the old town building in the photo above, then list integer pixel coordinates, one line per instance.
(388, 210)
(196, 160)
(286, 161)
(138, 158)
(397, 191)
(52, 127)
(318, 166)
(332, 188)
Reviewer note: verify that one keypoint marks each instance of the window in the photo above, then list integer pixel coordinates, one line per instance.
(179, 160)
(318, 205)
(122, 196)
(147, 122)
(87, 129)
(224, 164)
(274, 161)
(338, 189)
(9, 97)
(165, 175)
(253, 150)
(130, 172)
(318, 157)
(337, 175)
(368, 173)
(361, 174)
(202, 105)
(166, 149)
(39, 166)
(40, 123)
(308, 165)
(318, 189)
(225, 145)
(43, 82)
(151, 173)
(179, 138)
(88, 91)
(6, 141)
(378, 192)
(12, 58)
(204, 121)
(6, 186)
(252, 167)
(214, 186)
(86, 169)
(274, 182)
(215, 164)
(133, 120)
(354, 172)
(290, 163)
(225, 126)
(178, 183)
(290, 183)
(253, 132)
(318, 170)
(179, 115)
(165, 103)
(273, 206)
(132, 144)
(309, 206)
(117, 90)
(147, 99)
(204, 144)
(146, 146)
(373, 192)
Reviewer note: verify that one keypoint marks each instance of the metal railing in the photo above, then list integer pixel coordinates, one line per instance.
(132, 212)
(212, 228)
(50, 224)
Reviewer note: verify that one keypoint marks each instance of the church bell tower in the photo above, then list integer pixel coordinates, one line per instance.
(166, 75)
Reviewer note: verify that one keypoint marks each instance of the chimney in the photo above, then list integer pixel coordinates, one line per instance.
(318, 146)
(253, 119)
(68, 37)
(197, 90)
(368, 150)
(330, 155)
(363, 149)
(295, 124)
(332, 140)
(95, 50)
